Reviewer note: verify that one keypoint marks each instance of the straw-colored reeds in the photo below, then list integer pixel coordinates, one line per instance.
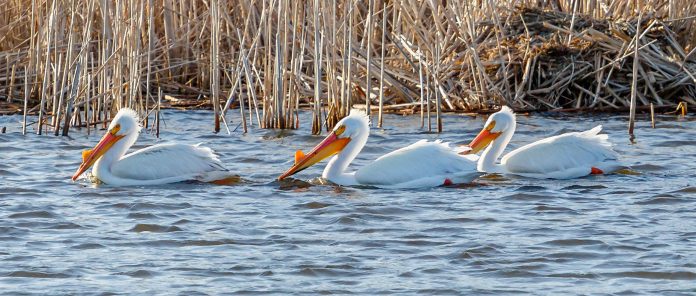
(73, 63)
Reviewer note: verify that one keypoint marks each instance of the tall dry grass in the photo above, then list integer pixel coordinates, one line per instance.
(75, 62)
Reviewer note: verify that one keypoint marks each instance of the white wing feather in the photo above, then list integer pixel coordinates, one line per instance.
(170, 161)
(420, 164)
(569, 155)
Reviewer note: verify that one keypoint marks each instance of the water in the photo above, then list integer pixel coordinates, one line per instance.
(613, 234)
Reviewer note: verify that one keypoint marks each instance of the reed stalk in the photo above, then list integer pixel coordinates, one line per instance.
(26, 102)
(652, 115)
(316, 123)
(368, 50)
(214, 62)
(381, 66)
(634, 84)
(157, 114)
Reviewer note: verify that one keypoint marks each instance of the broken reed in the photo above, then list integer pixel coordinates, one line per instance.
(75, 62)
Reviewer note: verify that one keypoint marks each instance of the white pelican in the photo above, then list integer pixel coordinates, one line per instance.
(422, 164)
(566, 156)
(154, 165)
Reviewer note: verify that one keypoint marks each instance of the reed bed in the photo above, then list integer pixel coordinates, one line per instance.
(73, 63)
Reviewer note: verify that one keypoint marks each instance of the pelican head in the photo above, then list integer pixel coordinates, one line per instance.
(126, 122)
(349, 128)
(500, 122)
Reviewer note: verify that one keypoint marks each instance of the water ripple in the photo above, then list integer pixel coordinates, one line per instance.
(619, 234)
(154, 228)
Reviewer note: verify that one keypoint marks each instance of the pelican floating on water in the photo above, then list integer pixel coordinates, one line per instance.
(566, 156)
(422, 164)
(154, 165)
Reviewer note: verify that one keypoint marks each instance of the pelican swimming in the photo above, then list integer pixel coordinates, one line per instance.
(154, 165)
(566, 156)
(422, 164)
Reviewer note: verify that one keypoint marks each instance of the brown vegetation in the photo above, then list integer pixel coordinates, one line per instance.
(74, 62)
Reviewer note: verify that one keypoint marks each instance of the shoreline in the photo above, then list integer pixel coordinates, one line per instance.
(195, 105)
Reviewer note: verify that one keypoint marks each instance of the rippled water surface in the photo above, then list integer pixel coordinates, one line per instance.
(621, 234)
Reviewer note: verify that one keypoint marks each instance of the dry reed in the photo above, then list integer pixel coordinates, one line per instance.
(73, 63)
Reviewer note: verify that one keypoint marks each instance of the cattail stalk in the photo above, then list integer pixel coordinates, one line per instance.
(368, 50)
(26, 101)
(157, 114)
(316, 124)
(381, 68)
(652, 115)
(634, 84)
(214, 65)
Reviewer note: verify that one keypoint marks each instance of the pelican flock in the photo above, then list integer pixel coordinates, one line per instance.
(154, 165)
(422, 164)
(566, 156)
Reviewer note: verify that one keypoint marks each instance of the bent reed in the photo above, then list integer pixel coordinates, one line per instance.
(74, 63)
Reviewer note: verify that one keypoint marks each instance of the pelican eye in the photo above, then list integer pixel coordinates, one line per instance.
(340, 130)
(490, 126)
(115, 129)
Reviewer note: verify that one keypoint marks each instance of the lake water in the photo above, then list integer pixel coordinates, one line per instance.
(614, 234)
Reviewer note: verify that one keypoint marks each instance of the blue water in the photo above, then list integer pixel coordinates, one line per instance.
(628, 233)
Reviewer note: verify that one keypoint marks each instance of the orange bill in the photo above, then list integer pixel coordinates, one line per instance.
(328, 147)
(89, 157)
(482, 140)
